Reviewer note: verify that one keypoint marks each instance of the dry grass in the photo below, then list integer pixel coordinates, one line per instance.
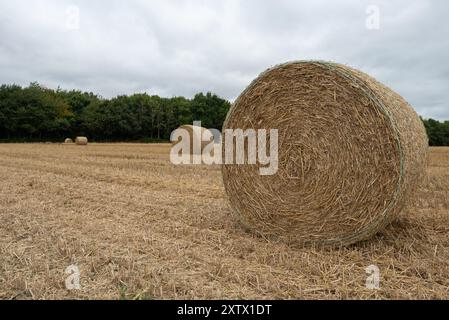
(143, 228)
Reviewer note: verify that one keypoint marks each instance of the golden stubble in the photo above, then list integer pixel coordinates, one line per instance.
(139, 227)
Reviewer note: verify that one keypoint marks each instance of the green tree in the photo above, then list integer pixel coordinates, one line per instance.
(36, 112)
(438, 132)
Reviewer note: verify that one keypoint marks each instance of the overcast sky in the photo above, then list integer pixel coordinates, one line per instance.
(183, 47)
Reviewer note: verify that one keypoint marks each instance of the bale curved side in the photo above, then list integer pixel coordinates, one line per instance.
(195, 134)
(81, 141)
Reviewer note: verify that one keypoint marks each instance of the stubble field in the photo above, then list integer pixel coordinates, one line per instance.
(138, 227)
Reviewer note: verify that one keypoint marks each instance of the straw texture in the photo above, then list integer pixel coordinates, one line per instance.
(81, 141)
(351, 154)
(195, 134)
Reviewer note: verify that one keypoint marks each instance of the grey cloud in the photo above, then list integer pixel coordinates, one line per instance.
(183, 47)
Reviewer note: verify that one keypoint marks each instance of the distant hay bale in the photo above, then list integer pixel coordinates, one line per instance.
(351, 154)
(81, 141)
(68, 141)
(194, 133)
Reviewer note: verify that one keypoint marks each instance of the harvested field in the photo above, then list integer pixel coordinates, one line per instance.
(139, 227)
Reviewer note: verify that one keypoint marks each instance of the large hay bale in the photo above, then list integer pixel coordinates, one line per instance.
(81, 141)
(195, 133)
(351, 153)
(68, 141)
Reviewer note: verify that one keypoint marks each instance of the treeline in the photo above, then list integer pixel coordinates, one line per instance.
(437, 131)
(36, 113)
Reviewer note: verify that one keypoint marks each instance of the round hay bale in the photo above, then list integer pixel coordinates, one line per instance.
(351, 153)
(81, 141)
(194, 134)
(68, 141)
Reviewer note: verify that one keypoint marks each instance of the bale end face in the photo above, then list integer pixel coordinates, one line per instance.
(351, 152)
